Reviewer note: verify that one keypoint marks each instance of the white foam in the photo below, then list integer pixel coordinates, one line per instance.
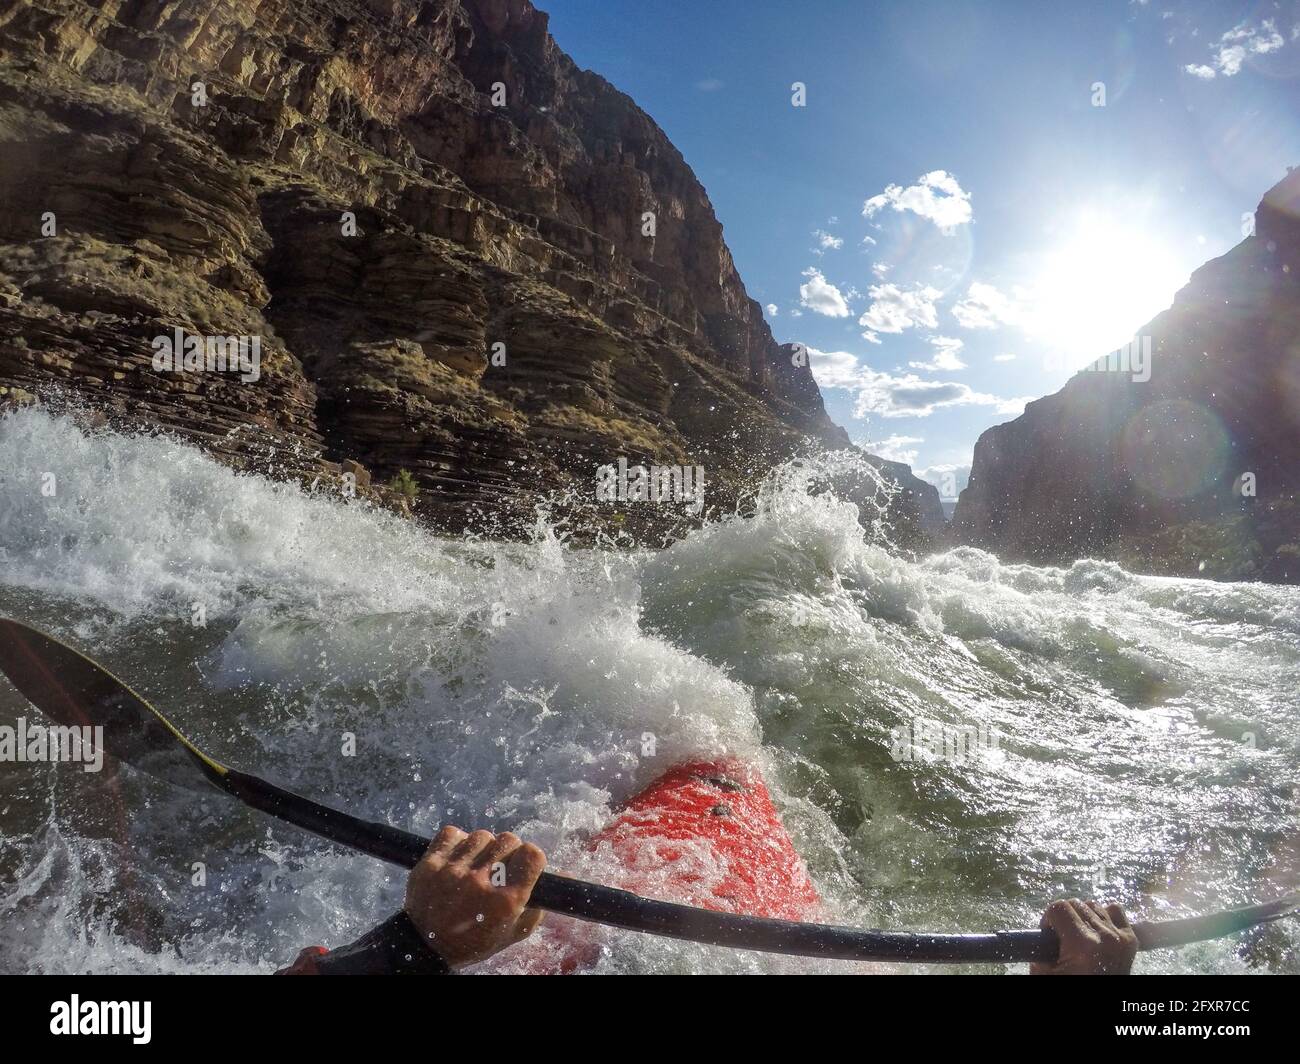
(516, 685)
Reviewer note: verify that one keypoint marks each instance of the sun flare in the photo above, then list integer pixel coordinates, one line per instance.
(1102, 283)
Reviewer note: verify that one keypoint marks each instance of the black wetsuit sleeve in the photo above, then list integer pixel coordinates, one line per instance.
(395, 947)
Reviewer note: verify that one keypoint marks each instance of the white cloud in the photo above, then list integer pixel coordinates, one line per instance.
(894, 448)
(936, 196)
(1233, 48)
(1014, 407)
(984, 307)
(880, 269)
(949, 479)
(1004, 358)
(910, 396)
(773, 310)
(894, 396)
(1229, 60)
(869, 240)
(827, 242)
(894, 309)
(822, 297)
(834, 369)
(945, 358)
(709, 85)
(1261, 40)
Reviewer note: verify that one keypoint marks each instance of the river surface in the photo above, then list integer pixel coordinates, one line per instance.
(953, 742)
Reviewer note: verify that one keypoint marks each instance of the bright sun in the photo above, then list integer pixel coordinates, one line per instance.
(1102, 283)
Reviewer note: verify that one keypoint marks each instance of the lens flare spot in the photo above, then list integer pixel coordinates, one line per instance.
(1176, 449)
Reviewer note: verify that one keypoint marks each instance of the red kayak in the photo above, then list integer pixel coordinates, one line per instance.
(705, 833)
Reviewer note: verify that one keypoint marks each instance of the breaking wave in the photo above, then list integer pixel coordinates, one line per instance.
(1146, 744)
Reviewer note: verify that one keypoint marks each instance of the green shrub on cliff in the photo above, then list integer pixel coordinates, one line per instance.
(405, 485)
(1221, 549)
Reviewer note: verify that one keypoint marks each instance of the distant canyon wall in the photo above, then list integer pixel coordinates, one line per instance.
(1195, 471)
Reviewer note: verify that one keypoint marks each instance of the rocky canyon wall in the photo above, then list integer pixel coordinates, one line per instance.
(1194, 471)
(463, 256)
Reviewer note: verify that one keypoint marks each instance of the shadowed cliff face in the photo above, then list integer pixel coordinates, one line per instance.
(335, 177)
(1196, 470)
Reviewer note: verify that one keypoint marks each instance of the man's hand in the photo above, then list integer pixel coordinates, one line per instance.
(1094, 941)
(467, 895)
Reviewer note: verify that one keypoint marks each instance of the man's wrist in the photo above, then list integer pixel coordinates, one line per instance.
(395, 947)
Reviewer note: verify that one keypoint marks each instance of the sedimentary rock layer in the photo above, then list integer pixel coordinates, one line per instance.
(386, 192)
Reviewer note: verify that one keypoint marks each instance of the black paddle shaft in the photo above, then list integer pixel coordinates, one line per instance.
(621, 908)
(76, 691)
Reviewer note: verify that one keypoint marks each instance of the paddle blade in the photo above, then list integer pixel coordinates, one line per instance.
(1169, 933)
(75, 692)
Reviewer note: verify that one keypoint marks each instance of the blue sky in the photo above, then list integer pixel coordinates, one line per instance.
(979, 197)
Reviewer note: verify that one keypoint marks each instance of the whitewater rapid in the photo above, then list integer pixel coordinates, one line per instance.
(1147, 740)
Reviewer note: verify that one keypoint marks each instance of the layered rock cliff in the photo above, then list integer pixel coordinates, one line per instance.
(1194, 471)
(463, 256)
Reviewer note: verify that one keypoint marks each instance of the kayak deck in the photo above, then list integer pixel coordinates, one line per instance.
(707, 833)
